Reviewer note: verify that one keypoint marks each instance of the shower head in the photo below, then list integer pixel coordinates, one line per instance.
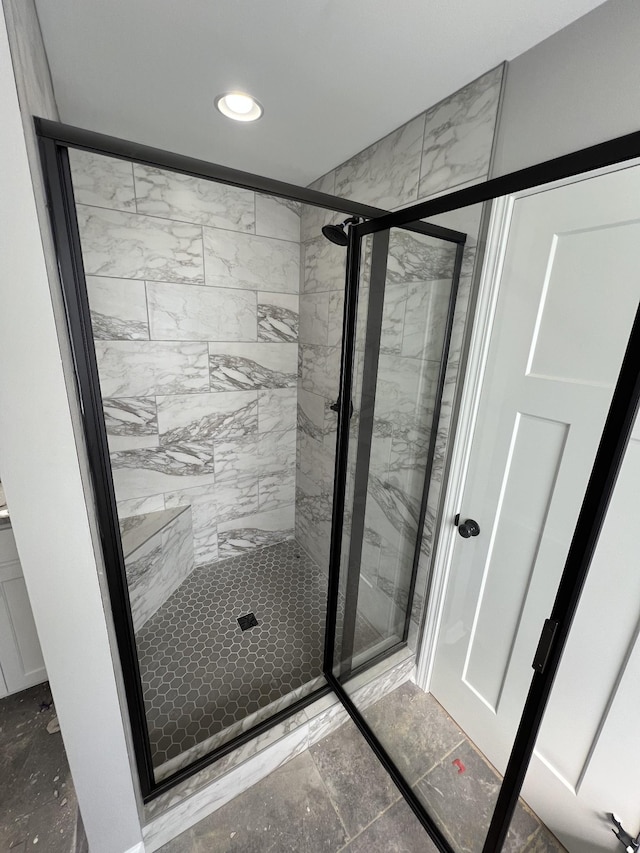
(337, 233)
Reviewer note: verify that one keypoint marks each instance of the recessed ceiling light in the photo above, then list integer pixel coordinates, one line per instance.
(239, 106)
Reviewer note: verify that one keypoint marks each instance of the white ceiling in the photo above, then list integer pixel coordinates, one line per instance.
(333, 75)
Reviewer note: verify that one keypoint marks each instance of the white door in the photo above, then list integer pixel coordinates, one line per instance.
(21, 662)
(568, 291)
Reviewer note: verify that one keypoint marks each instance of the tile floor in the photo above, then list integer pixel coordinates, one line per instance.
(336, 796)
(38, 804)
(201, 673)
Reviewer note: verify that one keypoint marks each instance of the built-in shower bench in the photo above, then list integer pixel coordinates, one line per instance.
(158, 557)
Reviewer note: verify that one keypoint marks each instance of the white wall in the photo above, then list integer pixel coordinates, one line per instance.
(579, 87)
(42, 473)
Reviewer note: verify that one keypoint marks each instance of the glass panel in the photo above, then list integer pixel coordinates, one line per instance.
(548, 386)
(403, 307)
(218, 352)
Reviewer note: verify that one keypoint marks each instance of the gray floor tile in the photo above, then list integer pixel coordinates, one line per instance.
(396, 831)
(415, 748)
(358, 784)
(462, 803)
(543, 842)
(289, 812)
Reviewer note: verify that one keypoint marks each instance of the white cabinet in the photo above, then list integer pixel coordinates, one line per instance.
(21, 659)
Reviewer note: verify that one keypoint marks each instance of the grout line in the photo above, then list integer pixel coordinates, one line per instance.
(439, 761)
(137, 212)
(326, 787)
(135, 190)
(365, 828)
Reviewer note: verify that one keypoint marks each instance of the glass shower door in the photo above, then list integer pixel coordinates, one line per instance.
(403, 319)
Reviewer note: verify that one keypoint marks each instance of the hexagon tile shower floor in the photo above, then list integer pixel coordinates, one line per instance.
(201, 672)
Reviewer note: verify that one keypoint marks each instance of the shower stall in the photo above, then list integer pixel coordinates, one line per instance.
(213, 332)
(264, 371)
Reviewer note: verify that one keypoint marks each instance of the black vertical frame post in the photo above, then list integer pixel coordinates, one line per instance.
(606, 467)
(66, 236)
(375, 310)
(352, 284)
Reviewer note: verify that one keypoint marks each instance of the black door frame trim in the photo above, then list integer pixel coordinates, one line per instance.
(606, 466)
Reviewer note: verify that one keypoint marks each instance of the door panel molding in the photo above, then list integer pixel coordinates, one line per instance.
(499, 224)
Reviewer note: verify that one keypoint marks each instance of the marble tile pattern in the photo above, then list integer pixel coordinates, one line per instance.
(278, 317)
(171, 195)
(445, 147)
(159, 561)
(386, 174)
(193, 313)
(118, 309)
(193, 289)
(459, 135)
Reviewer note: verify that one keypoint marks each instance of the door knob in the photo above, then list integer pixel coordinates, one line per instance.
(468, 528)
(335, 407)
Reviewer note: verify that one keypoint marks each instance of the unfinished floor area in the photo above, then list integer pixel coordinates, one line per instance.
(337, 797)
(38, 806)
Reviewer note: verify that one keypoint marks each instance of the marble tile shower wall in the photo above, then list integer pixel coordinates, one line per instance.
(193, 290)
(447, 146)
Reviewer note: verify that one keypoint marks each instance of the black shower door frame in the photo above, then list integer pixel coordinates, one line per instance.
(606, 466)
(55, 140)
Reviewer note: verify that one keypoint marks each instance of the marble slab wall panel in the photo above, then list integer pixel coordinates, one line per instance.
(321, 370)
(324, 266)
(207, 417)
(193, 288)
(127, 245)
(131, 416)
(277, 409)
(239, 535)
(244, 366)
(459, 135)
(118, 309)
(192, 313)
(314, 318)
(313, 218)
(278, 317)
(149, 471)
(447, 146)
(277, 217)
(131, 422)
(146, 368)
(170, 195)
(102, 181)
(386, 174)
(212, 504)
(251, 262)
(311, 413)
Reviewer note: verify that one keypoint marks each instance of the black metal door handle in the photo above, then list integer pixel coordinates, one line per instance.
(335, 407)
(468, 528)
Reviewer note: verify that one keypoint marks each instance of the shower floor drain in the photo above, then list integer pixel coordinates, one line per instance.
(248, 621)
